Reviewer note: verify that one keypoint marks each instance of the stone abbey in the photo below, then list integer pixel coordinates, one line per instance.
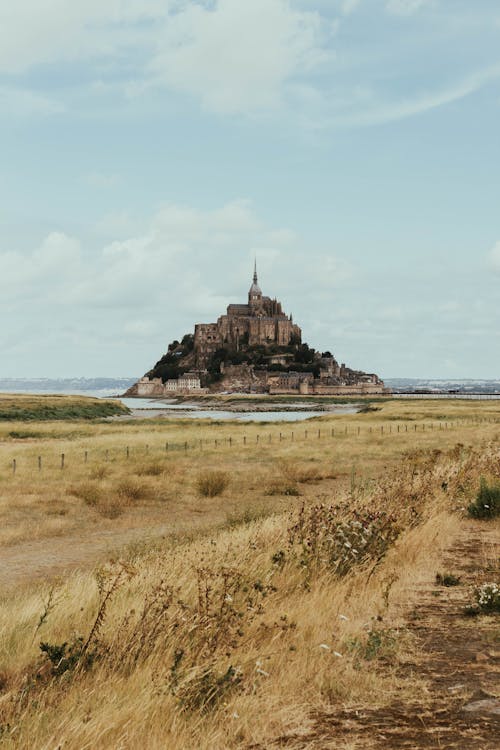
(260, 322)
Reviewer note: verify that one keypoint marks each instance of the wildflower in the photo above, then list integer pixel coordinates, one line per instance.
(235, 715)
(228, 598)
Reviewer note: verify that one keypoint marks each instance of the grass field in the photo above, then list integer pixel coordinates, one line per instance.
(30, 408)
(222, 620)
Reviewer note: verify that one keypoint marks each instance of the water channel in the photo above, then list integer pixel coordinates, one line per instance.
(191, 410)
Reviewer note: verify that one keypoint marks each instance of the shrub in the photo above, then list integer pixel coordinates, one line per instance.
(90, 493)
(63, 657)
(488, 597)
(447, 579)
(153, 469)
(99, 472)
(212, 483)
(131, 491)
(378, 644)
(487, 502)
(289, 489)
(340, 538)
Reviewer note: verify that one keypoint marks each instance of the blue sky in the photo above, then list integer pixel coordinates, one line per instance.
(151, 148)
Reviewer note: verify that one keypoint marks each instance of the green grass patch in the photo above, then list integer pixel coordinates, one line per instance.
(21, 408)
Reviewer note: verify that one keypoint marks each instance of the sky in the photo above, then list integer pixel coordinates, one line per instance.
(151, 149)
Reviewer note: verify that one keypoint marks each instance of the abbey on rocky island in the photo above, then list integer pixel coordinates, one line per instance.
(260, 322)
(254, 348)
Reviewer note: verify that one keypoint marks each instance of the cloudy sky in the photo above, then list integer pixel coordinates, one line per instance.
(151, 148)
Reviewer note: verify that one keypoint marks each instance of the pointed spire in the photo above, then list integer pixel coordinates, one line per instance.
(255, 271)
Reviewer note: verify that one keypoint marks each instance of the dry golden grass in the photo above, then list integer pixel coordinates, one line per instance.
(233, 636)
(37, 504)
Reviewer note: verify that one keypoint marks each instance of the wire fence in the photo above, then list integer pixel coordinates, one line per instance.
(388, 429)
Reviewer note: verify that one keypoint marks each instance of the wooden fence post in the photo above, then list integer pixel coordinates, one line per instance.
(39, 463)
(62, 460)
(14, 465)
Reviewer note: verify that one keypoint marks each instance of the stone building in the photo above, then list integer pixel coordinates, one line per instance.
(260, 321)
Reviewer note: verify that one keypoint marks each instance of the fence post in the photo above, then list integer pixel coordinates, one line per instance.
(128, 452)
(147, 448)
(244, 439)
(166, 446)
(14, 465)
(86, 457)
(292, 437)
(257, 438)
(107, 455)
(305, 434)
(230, 441)
(62, 460)
(359, 430)
(185, 446)
(39, 463)
(319, 434)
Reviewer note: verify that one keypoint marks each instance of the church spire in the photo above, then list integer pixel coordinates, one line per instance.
(254, 295)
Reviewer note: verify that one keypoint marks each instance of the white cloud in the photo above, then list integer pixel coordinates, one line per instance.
(494, 257)
(367, 108)
(20, 102)
(406, 7)
(237, 56)
(349, 6)
(46, 270)
(188, 261)
(47, 31)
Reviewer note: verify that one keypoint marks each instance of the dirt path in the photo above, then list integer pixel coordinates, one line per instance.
(47, 558)
(457, 656)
